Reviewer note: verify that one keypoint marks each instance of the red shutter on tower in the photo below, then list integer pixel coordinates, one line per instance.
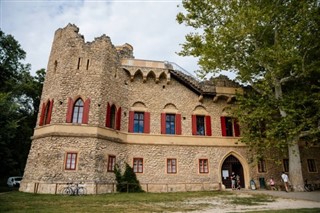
(49, 112)
(163, 123)
(69, 111)
(236, 128)
(42, 114)
(208, 126)
(108, 113)
(131, 121)
(146, 122)
(118, 119)
(178, 124)
(223, 126)
(86, 108)
(194, 125)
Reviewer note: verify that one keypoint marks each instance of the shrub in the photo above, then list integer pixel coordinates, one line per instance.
(127, 182)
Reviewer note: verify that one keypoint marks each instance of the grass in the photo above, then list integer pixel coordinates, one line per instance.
(14, 201)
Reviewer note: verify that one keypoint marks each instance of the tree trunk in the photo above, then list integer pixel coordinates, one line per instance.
(295, 171)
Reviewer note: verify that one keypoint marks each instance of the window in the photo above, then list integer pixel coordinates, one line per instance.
(285, 163)
(71, 161)
(171, 166)
(312, 165)
(203, 166)
(78, 112)
(138, 165)
(113, 117)
(46, 114)
(46, 111)
(201, 125)
(139, 122)
(229, 127)
(111, 163)
(170, 123)
(262, 166)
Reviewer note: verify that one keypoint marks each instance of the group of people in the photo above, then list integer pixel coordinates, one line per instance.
(235, 182)
(285, 180)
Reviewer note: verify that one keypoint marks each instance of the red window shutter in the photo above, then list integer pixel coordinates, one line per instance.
(146, 122)
(49, 112)
(108, 115)
(194, 125)
(118, 119)
(208, 126)
(86, 108)
(223, 126)
(178, 124)
(236, 128)
(43, 109)
(69, 111)
(131, 121)
(163, 123)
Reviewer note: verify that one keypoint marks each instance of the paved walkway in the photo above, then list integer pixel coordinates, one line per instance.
(311, 196)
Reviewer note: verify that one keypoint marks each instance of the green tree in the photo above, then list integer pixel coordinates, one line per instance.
(127, 182)
(19, 101)
(273, 47)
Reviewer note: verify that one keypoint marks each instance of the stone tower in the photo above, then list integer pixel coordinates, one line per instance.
(85, 74)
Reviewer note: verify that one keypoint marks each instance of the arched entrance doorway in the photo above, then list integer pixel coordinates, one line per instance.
(232, 164)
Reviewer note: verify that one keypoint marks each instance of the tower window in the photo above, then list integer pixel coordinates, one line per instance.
(77, 111)
(79, 63)
(87, 64)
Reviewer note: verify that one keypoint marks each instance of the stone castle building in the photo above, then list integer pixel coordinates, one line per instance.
(100, 107)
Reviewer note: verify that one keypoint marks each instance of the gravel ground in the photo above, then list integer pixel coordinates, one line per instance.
(283, 200)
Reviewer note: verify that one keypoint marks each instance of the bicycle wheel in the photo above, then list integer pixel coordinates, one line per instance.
(306, 188)
(67, 191)
(82, 191)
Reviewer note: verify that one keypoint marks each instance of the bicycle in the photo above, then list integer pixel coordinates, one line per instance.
(74, 189)
(308, 187)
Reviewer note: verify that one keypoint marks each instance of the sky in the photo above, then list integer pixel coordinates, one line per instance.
(150, 26)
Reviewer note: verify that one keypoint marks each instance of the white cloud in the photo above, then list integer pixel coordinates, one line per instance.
(149, 26)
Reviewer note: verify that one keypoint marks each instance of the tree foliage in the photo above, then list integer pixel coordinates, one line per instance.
(19, 102)
(274, 48)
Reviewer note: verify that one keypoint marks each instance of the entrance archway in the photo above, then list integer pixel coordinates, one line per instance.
(232, 164)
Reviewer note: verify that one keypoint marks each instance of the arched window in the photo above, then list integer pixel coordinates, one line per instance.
(77, 111)
(46, 111)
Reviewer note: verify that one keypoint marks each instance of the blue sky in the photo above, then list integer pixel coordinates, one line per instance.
(149, 26)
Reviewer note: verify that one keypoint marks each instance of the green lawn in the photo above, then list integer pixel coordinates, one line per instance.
(14, 201)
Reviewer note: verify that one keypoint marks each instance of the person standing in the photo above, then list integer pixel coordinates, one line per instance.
(238, 182)
(233, 181)
(285, 180)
